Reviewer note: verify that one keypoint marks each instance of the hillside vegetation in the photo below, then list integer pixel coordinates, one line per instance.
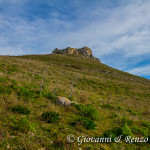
(106, 102)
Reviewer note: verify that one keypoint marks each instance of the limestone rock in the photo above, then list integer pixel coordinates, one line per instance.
(63, 101)
(57, 51)
(85, 51)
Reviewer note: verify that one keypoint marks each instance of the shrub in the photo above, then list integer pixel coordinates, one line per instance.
(140, 130)
(125, 120)
(25, 93)
(85, 122)
(50, 117)
(20, 109)
(123, 130)
(49, 95)
(23, 125)
(87, 111)
(111, 133)
(146, 124)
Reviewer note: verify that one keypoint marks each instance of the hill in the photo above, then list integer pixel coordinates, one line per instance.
(105, 101)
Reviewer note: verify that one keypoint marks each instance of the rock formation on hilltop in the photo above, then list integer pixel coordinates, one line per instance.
(85, 51)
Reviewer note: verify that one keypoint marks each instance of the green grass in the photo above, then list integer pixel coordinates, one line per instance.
(106, 101)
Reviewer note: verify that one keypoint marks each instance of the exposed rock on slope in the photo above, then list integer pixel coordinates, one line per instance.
(63, 101)
(85, 51)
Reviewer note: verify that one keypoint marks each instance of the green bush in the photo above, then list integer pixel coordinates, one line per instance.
(23, 125)
(87, 111)
(25, 93)
(85, 122)
(20, 109)
(146, 124)
(50, 117)
(125, 120)
(111, 133)
(140, 130)
(49, 95)
(123, 130)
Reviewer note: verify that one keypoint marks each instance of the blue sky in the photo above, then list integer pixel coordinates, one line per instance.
(118, 31)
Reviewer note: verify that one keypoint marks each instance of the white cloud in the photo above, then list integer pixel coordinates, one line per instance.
(125, 28)
(141, 71)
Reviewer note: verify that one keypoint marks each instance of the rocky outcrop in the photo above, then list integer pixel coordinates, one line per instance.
(85, 51)
(63, 101)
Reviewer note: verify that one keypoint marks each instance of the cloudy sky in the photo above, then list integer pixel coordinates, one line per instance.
(118, 31)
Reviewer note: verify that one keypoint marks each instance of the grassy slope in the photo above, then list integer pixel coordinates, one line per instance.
(115, 94)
